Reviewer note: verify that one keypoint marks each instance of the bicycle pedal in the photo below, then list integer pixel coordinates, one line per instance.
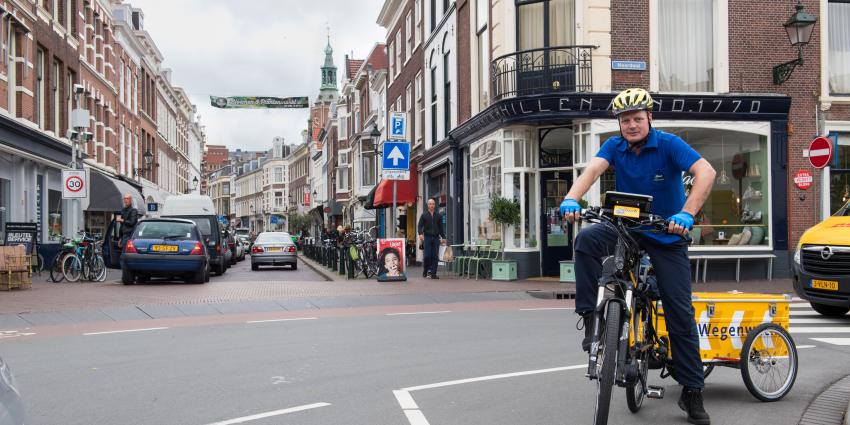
(654, 392)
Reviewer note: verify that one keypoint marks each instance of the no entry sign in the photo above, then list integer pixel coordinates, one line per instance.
(803, 179)
(75, 184)
(820, 152)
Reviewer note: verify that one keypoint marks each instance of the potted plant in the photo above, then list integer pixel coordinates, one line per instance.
(505, 212)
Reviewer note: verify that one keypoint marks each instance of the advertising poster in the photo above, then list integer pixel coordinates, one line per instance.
(391, 260)
(21, 234)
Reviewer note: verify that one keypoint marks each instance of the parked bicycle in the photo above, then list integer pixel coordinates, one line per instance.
(84, 260)
(362, 249)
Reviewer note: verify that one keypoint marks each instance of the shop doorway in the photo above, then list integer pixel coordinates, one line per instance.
(557, 237)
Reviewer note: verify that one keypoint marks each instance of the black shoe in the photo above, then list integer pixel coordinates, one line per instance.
(691, 402)
(586, 322)
(434, 276)
(424, 275)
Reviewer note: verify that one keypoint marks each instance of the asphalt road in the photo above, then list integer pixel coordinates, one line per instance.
(342, 369)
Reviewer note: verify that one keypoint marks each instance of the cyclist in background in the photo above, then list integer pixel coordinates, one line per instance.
(648, 162)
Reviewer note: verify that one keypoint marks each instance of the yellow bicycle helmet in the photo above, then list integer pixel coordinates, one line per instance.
(634, 99)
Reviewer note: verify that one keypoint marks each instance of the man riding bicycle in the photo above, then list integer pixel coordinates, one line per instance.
(648, 162)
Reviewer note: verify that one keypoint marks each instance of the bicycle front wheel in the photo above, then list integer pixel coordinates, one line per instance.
(605, 380)
(72, 268)
(56, 274)
(636, 391)
(97, 270)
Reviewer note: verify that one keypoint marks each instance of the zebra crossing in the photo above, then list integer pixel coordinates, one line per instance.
(806, 323)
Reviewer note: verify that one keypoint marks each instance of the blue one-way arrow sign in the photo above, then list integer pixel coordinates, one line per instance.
(396, 155)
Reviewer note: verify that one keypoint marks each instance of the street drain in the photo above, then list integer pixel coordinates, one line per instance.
(553, 295)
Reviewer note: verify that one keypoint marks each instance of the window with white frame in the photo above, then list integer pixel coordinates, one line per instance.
(433, 100)
(278, 199)
(408, 103)
(686, 45)
(419, 124)
(343, 160)
(520, 183)
(343, 127)
(40, 94)
(342, 176)
(485, 181)
(408, 32)
(839, 47)
(368, 172)
(581, 138)
(398, 50)
(57, 100)
(278, 175)
(417, 10)
(483, 53)
(391, 57)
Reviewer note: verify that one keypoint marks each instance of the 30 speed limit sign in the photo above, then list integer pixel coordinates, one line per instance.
(75, 184)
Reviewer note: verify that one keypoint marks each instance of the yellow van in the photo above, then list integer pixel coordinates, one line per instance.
(822, 265)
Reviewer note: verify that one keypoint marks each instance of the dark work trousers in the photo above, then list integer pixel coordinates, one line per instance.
(432, 249)
(672, 269)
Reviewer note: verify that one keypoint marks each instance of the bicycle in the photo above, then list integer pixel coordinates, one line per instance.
(84, 260)
(362, 249)
(629, 334)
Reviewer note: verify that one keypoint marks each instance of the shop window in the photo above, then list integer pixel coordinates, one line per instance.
(522, 187)
(5, 203)
(686, 45)
(737, 212)
(54, 217)
(556, 147)
(485, 182)
(839, 47)
(518, 149)
(839, 173)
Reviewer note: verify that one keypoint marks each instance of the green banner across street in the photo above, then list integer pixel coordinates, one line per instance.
(258, 102)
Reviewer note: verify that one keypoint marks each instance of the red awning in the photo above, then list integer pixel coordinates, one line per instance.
(406, 191)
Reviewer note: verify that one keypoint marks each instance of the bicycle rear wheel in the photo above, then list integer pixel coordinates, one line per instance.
(605, 380)
(769, 362)
(56, 274)
(72, 268)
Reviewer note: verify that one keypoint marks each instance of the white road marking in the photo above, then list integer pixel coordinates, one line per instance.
(281, 320)
(809, 320)
(820, 330)
(804, 313)
(492, 377)
(405, 400)
(547, 308)
(801, 347)
(14, 334)
(418, 312)
(833, 341)
(800, 305)
(416, 417)
(123, 331)
(270, 414)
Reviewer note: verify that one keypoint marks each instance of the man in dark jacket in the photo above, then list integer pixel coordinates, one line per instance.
(128, 219)
(432, 234)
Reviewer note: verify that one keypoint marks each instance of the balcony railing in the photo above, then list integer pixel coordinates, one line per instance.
(561, 69)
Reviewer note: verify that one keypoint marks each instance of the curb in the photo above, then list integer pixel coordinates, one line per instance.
(831, 406)
(325, 274)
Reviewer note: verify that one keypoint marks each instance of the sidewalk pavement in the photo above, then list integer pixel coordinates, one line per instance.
(279, 288)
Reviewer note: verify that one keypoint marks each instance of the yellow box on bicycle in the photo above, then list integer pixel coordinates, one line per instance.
(725, 318)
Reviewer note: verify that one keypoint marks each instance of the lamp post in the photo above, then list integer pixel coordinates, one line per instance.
(147, 164)
(799, 28)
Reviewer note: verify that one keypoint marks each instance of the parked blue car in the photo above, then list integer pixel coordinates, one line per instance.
(165, 247)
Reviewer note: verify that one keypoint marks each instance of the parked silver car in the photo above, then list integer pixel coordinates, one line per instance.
(273, 249)
(11, 406)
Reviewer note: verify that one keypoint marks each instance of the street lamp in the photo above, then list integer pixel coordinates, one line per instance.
(147, 159)
(194, 183)
(799, 28)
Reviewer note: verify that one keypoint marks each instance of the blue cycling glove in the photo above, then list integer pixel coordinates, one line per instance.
(684, 219)
(569, 205)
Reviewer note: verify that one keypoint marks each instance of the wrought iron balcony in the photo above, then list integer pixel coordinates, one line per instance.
(561, 69)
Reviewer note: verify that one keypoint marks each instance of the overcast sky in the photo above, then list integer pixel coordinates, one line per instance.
(256, 48)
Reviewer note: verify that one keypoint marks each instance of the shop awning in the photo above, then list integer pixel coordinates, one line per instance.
(362, 215)
(369, 200)
(406, 191)
(107, 193)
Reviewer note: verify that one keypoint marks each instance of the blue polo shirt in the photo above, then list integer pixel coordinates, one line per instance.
(657, 172)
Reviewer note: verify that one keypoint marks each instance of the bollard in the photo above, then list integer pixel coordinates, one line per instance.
(350, 267)
(334, 254)
(342, 252)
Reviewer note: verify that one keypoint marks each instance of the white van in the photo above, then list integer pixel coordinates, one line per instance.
(200, 209)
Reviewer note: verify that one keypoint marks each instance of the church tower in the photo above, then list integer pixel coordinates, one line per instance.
(328, 91)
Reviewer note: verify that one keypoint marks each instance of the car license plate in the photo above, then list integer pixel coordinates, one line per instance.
(164, 248)
(829, 285)
(275, 249)
(623, 211)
